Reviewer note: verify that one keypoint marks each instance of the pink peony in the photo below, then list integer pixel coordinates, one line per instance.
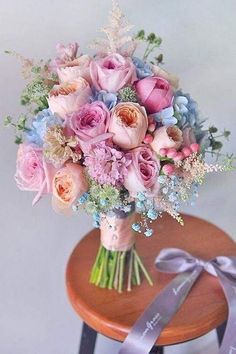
(129, 124)
(167, 137)
(172, 79)
(68, 97)
(143, 172)
(75, 69)
(90, 120)
(154, 93)
(32, 172)
(112, 72)
(69, 183)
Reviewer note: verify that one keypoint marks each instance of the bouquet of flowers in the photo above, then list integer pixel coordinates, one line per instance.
(112, 133)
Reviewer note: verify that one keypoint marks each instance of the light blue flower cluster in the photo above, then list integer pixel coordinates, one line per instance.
(39, 125)
(108, 98)
(165, 116)
(146, 207)
(142, 69)
(187, 113)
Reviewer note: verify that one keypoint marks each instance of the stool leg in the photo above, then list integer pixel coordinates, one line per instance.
(220, 332)
(88, 340)
(157, 350)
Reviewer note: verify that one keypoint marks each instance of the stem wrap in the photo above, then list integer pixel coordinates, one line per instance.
(117, 233)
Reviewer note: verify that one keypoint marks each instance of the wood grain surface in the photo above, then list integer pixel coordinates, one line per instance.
(113, 314)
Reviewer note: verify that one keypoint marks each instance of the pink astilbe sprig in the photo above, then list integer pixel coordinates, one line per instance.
(107, 165)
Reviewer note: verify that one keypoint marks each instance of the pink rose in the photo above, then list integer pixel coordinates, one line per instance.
(142, 172)
(154, 93)
(90, 120)
(69, 183)
(188, 137)
(32, 172)
(75, 69)
(129, 124)
(112, 72)
(68, 97)
(172, 79)
(167, 137)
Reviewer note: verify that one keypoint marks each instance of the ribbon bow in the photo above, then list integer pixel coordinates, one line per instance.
(158, 314)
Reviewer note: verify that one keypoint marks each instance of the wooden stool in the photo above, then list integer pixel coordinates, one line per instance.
(112, 314)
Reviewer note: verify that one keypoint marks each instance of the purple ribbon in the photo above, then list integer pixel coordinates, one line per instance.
(158, 314)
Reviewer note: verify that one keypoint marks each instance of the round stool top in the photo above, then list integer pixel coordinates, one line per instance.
(113, 314)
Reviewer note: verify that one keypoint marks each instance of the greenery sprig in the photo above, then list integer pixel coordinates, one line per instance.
(153, 42)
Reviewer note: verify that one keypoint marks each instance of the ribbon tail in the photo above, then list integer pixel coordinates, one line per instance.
(228, 345)
(150, 324)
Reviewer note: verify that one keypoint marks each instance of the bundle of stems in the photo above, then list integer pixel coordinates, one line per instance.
(113, 268)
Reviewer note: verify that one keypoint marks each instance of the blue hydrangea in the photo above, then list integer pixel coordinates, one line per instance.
(39, 125)
(142, 69)
(165, 116)
(187, 113)
(108, 98)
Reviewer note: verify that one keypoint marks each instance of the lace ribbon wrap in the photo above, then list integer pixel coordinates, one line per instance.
(116, 231)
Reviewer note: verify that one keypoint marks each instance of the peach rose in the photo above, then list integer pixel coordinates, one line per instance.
(167, 137)
(69, 183)
(172, 79)
(68, 97)
(129, 124)
(75, 69)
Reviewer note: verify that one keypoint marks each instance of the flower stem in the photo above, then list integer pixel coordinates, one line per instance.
(145, 272)
(131, 257)
(136, 270)
(95, 266)
(121, 271)
(113, 270)
(116, 280)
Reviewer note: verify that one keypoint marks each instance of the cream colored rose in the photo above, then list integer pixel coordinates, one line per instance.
(75, 69)
(167, 137)
(129, 124)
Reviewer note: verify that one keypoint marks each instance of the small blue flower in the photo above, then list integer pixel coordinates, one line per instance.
(172, 197)
(127, 208)
(141, 196)
(75, 207)
(140, 204)
(83, 199)
(152, 214)
(165, 116)
(103, 202)
(39, 125)
(142, 69)
(148, 232)
(136, 227)
(108, 98)
(96, 224)
(96, 217)
(162, 179)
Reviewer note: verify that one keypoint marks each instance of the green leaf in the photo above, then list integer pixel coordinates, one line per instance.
(216, 145)
(151, 37)
(140, 35)
(213, 129)
(226, 133)
(7, 121)
(18, 140)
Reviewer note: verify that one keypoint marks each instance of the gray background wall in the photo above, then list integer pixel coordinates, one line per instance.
(199, 46)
